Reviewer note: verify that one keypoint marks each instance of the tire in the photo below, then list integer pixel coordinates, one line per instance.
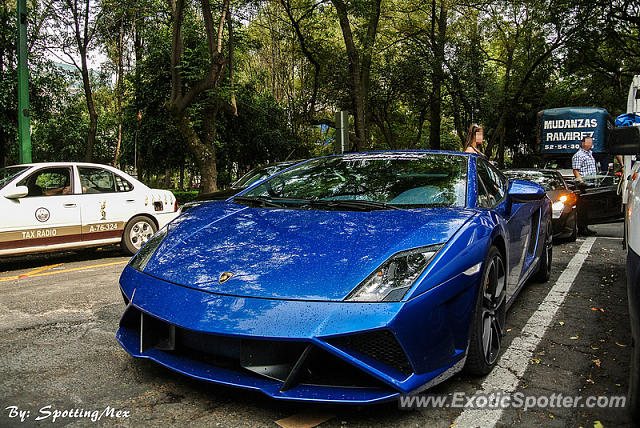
(544, 267)
(137, 233)
(574, 232)
(634, 385)
(489, 316)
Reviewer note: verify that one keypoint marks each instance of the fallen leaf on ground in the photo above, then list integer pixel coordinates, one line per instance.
(620, 344)
(597, 362)
(304, 420)
(574, 337)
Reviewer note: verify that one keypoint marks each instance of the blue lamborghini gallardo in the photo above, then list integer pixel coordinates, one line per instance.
(350, 278)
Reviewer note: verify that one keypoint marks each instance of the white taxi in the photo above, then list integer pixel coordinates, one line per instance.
(54, 206)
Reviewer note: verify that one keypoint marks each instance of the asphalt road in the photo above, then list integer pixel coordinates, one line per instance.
(59, 314)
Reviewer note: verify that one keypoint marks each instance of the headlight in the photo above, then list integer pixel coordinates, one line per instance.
(568, 200)
(142, 257)
(391, 281)
(557, 208)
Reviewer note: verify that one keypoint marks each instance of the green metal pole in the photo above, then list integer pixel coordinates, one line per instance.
(24, 126)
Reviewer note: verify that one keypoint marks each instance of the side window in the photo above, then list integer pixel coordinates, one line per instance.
(96, 180)
(122, 185)
(48, 182)
(499, 178)
(483, 196)
(495, 185)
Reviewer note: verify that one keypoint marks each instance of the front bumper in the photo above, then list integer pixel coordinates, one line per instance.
(563, 226)
(300, 350)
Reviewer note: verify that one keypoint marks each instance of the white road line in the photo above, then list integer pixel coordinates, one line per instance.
(514, 361)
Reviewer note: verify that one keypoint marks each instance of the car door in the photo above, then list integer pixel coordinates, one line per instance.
(518, 219)
(47, 215)
(599, 200)
(106, 202)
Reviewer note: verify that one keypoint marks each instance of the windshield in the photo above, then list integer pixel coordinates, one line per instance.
(600, 180)
(548, 180)
(394, 179)
(258, 174)
(9, 173)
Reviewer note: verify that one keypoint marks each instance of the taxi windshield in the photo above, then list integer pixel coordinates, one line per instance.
(9, 173)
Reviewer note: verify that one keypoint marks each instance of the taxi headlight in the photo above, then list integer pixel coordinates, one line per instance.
(391, 281)
(142, 257)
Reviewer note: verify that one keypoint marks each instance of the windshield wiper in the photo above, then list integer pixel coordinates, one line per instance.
(355, 204)
(263, 202)
(259, 201)
(358, 204)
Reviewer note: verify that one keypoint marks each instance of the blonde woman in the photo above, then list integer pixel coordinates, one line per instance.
(474, 140)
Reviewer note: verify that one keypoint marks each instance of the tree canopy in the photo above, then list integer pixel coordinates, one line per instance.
(211, 88)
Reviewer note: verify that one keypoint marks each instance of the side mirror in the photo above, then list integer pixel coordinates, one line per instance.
(17, 193)
(624, 140)
(522, 191)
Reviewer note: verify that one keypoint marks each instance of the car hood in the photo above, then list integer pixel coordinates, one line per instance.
(292, 254)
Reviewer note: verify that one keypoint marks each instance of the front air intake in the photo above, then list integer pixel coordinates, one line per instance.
(380, 345)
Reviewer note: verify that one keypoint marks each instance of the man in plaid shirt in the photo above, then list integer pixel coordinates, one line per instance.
(584, 165)
(583, 162)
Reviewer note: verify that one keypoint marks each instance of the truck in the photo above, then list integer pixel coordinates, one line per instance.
(626, 141)
(560, 133)
(562, 129)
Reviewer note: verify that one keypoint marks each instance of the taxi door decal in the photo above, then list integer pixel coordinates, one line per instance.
(42, 214)
(33, 237)
(103, 210)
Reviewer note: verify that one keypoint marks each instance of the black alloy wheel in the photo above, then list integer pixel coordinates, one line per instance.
(489, 318)
(544, 267)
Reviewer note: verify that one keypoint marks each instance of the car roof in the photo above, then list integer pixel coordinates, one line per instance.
(63, 164)
(134, 180)
(403, 152)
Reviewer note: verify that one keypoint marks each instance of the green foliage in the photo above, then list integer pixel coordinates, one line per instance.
(503, 62)
(184, 196)
(258, 135)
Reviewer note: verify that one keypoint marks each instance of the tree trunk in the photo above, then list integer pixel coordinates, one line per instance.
(119, 75)
(359, 68)
(438, 40)
(84, 30)
(202, 148)
(93, 116)
(182, 175)
(310, 110)
(234, 105)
